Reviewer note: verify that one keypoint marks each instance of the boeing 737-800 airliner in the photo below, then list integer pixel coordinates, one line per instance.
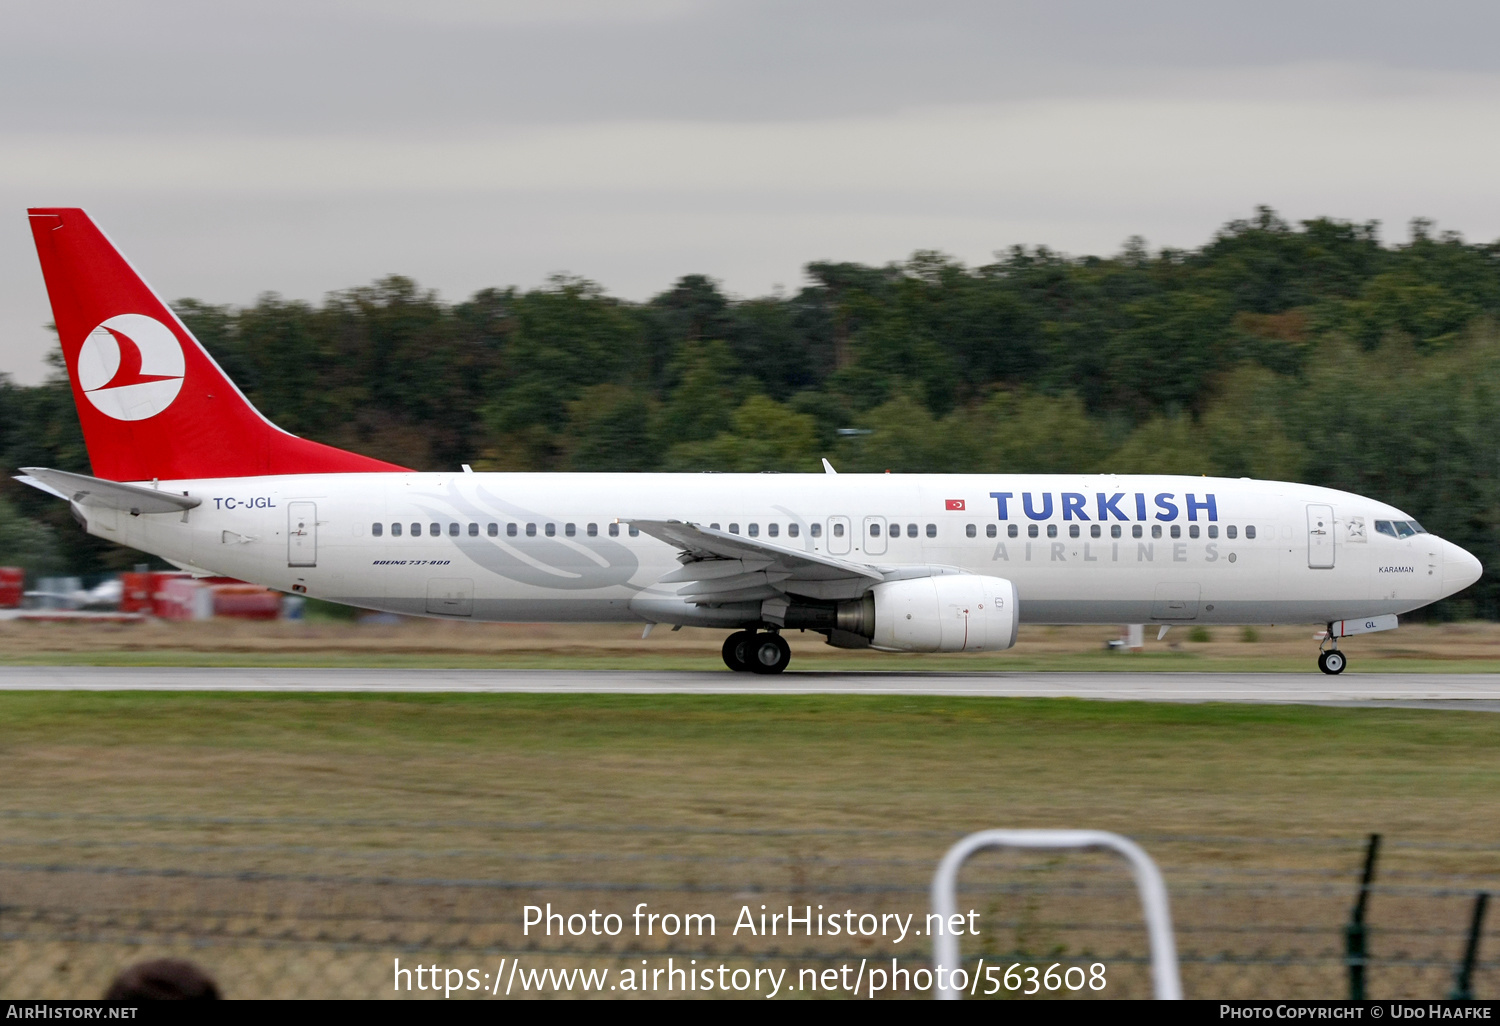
(187, 469)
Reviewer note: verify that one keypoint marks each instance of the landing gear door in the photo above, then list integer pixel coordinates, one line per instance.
(302, 534)
(1320, 537)
(838, 536)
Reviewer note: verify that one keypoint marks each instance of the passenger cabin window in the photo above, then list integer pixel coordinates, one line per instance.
(551, 530)
(395, 530)
(1249, 532)
(816, 530)
(1213, 530)
(416, 530)
(1012, 531)
(1072, 530)
(792, 530)
(510, 530)
(714, 526)
(1136, 532)
(452, 530)
(932, 530)
(593, 530)
(473, 530)
(874, 530)
(838, 530)
(911, 530)
(531, 530)
(570, 530)
(734, 528)
(1095, 531)
(614, 530)
(753, 531)
(1114, 531)
(1231, 532)
(635, 532)
(493, 530)
(970, 531)
(1176, 531)
(1156, 530)
(772, 530)
(1051, 530)
(1032, 530)
(434, 529)
(990, 531)
(377, 529)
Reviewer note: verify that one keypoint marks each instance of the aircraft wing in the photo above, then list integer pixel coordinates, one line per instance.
(719, 567)
(93, 491)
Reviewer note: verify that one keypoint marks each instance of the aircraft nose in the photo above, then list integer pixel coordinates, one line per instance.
(1460, 568)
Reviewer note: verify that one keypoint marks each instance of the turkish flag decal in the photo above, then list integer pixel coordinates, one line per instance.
(955, 504)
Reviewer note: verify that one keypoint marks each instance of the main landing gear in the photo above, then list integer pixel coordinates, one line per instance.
(756, 652)
(1330, 659)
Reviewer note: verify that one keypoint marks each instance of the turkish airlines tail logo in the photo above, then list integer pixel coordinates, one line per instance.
(131, 367)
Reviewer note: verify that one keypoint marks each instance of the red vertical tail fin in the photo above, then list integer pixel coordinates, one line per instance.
(152, 402)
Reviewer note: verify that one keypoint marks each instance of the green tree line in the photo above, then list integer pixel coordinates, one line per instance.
(1308, 352)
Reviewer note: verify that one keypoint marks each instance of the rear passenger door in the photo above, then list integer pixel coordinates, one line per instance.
(302, 534)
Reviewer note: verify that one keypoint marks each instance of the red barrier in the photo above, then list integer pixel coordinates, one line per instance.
(135, 592)
(245, 601)
(182, 598)
(12, 586)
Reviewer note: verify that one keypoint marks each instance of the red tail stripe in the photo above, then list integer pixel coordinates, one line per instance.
(209, 429)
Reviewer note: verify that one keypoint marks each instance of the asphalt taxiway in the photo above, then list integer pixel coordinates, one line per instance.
(1474, 691)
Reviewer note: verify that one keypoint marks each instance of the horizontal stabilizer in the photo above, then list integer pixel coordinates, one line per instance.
(92, 491)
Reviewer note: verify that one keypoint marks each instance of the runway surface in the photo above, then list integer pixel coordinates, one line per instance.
(1474, 691)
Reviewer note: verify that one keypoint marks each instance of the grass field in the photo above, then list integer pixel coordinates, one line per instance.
(112, 802)
(1416, 648)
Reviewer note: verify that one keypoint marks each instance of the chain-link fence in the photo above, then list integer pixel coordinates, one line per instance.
(288, 907)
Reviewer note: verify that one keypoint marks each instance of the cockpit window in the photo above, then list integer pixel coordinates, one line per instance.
(1417, 527)
(1403, 529)
(1385, 527)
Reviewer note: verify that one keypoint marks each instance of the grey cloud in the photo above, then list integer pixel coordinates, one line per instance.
(303, 146)
(330, 65)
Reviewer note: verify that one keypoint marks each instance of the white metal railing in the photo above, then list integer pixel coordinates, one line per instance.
(1166, 980)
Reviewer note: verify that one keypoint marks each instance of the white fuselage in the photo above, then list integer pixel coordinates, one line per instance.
(550, 547)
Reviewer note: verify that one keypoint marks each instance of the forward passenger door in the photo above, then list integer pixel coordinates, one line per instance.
(1319, 537)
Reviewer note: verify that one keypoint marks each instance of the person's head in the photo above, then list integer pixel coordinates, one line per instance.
(163, 979)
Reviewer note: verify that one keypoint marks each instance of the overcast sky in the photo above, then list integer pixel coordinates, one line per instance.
(298, 147)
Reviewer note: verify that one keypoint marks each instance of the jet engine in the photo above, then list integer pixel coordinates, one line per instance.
(945, 613)
(951, 613)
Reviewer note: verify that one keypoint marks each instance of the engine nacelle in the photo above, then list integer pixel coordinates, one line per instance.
(949, 613)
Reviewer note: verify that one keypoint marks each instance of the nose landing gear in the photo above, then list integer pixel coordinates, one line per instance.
(1330, 660)
(755, 652)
